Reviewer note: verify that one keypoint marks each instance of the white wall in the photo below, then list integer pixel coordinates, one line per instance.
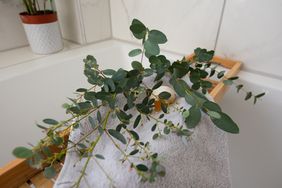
(11, 31)
(81, 21)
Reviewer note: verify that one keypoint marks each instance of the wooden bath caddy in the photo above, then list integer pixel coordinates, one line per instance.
(18, 174)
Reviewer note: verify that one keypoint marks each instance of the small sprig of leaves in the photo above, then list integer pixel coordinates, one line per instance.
(138, 98)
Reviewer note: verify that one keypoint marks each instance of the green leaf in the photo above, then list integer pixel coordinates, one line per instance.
(134, 52)
(248, 95)
(92, 122)
(186, 113)
(194, 117)
(137, 120)
(166, 130)
(228, 82)
(233, 78)
(164, 107)
(225, 123)
(134, 134)
(22, 152)
(138, 29)
(142, 167)
(134, 152)
(214, 114)
(137, 65)
(154, 127)
(206, 84)
(239, 87)
(41, 127)
(157, 85)
(151, 48)
(56, 140)
(220, 74)
(212, 106)
(148, 72)
(117, 135)
(49, 172)
(81, 90)
(123, 117)
(260, 95)
(99, 156)
(164, 95)
(155, 136)
(109, 72)
(50, 121)
(99, 117)
(202, 55)
(157, 37)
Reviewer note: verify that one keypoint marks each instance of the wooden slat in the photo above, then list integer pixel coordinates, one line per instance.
(25, 185)
(219, 90)
(41, 182)
(16, 173)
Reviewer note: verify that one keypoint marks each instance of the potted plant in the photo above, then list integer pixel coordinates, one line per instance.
(41, 26)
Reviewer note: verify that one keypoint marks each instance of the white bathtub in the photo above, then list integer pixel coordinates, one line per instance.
(35, 90)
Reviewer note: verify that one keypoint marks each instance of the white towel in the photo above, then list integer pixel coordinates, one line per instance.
(201, 162)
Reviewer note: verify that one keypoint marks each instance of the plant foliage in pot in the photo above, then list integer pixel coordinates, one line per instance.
(41, 26)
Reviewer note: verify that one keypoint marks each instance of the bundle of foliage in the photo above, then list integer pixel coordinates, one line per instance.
(129, 84)
(36, 7)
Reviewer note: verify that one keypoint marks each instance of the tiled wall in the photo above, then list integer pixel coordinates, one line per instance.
(252, 32)
(187, 23)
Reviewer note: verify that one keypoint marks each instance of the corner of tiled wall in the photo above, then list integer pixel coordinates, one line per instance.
(188, 24)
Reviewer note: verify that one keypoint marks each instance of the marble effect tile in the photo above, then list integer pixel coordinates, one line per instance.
(251, 32)
(12, 34)
(187, 23)
(96, 19)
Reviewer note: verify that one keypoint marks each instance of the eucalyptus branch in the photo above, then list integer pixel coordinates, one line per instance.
(129, 84)
(90, 151)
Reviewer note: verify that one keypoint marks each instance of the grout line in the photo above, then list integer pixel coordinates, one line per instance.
(81, 22)
(111, 20)
(219, 25)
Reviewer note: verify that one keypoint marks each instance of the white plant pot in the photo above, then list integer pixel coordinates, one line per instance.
(43, 33)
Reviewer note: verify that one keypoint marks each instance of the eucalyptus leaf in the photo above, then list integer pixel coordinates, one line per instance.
(164, 95)
(225, 123)
(134, 52)
(151, 48)
(50, 121)
(214, 114)
(117, 135)
(157, 37)
(137, 121)
(99, 156)
(22, 152)
(49, 172)
(194, 117)
(142, 167)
